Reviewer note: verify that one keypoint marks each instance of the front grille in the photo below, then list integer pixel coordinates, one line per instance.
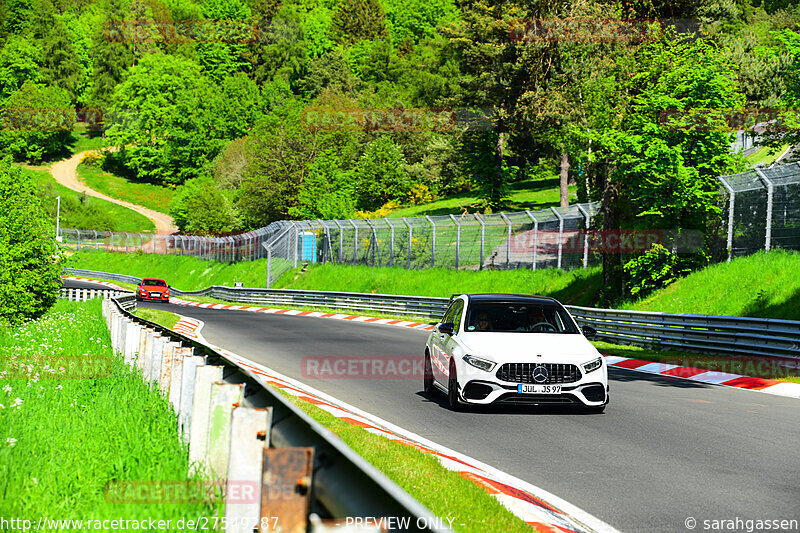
(523, 373)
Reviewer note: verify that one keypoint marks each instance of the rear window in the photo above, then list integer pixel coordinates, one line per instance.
(154, 282)
(518, 317)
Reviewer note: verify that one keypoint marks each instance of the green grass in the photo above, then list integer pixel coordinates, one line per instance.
(63, 439)
(165, 318)
(153, 197)
(765, 285)
(447, 494)
(529, 194)
(182, 272)
(79, 211)
(85, 140)
(577, 287)
(765, 155)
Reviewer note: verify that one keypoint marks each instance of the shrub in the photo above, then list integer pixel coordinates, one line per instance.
(653, 270)
(30, 264)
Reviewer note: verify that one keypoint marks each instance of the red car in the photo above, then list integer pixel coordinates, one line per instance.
(153, 289)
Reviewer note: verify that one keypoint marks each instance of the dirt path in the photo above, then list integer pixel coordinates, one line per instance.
(66, 173)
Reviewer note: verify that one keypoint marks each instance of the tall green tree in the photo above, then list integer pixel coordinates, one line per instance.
(112, 52)
(30, 264)
(163, 120)
(358, 20)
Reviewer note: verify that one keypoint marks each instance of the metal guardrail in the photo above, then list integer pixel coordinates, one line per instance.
(82, 295)
(704, 333)
(697, 333)
(343, 484)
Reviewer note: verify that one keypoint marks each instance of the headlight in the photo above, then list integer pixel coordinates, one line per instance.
(477, 362)
(591, 366)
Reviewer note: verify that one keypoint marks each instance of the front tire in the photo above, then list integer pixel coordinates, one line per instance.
(427, 380)
(452, 390)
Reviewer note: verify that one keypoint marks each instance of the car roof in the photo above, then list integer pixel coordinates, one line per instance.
(152, 279)
(510, 298)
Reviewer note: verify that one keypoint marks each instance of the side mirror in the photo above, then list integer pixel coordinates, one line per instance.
(446, 328)
(589, 332)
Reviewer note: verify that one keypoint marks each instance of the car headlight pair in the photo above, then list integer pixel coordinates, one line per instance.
(591, 366)
(477, 362)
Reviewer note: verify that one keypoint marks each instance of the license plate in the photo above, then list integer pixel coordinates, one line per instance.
(155, 295)
(538, 389)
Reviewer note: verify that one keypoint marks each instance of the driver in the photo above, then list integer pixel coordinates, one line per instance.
(482, 322)
(536, 317)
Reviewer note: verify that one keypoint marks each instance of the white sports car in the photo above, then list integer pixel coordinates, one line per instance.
(513, 349)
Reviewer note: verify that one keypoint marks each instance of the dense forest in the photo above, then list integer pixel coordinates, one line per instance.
(258, 110)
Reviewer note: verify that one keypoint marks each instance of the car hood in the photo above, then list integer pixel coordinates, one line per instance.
(155, 288)
(524, 347)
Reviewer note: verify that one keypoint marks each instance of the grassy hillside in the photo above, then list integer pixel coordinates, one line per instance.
(529, 194)
(182, 272)
(80, 211)
(764, 285)
(148, 195)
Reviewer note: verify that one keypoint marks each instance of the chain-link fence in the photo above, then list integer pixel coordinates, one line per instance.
(763, 209)
(548, 238)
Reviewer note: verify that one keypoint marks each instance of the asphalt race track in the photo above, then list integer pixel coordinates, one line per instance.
(665, 449)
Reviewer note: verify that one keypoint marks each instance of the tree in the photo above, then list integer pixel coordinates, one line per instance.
(113, 55)
(60, 63)
(357, 20)
(39, 122)
(164, 120)
(19, 62)
(229, 24)
(199, 207)
(381, 174)
(30, 264)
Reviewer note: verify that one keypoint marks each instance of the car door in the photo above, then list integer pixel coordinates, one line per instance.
(450, 342)
(439, 359)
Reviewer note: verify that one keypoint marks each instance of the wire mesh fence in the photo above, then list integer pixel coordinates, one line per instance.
(763, 209)
(554, 237)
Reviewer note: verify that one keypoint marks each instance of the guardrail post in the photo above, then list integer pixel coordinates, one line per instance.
(286, 467)
(410, 238)
(167, 366)
(249, 437)
(187, 390)
(560, 234)
(508, 240)
(134, 341)
(201, 403)
(770, 191)
(433, 241)
(224, 398)
(157, 359)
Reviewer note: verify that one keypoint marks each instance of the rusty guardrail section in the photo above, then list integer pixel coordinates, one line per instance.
(282, 470)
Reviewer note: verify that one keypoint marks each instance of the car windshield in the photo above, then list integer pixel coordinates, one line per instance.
(518, 317)
(154, 282)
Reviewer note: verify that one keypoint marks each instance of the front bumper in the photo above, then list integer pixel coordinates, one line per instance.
(158, 297)
(588, 393)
